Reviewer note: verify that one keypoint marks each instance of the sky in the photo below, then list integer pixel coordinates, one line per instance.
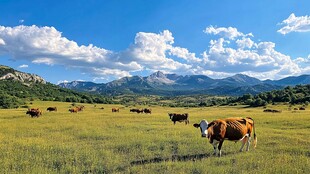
(104, 40)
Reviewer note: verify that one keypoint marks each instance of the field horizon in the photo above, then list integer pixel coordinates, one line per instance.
(96, 140)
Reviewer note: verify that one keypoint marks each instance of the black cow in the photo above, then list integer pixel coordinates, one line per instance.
(147, 110)
(51, 109)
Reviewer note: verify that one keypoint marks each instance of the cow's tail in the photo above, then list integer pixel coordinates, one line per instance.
(255, 138)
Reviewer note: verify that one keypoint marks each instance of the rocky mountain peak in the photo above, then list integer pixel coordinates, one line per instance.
(159, 77)
(7, 73)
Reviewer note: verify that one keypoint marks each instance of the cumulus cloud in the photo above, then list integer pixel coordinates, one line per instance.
(46, 45)
(230, 32)
(62, 81)
(245, 43)
(2, 42)
(295, 24)
(304, 64)
(152, 51)
(23, 66)
(228, 53)
(235, 52)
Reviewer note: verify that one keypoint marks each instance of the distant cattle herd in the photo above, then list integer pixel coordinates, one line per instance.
(145, 110)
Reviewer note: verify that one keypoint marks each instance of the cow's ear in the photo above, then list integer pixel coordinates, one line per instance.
(196, 125)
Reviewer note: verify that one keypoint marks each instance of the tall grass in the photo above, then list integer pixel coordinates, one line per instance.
(99, 141)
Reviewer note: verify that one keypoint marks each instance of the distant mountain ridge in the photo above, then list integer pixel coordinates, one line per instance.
(159, 83)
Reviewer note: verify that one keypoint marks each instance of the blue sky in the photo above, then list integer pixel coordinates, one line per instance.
(100, 40)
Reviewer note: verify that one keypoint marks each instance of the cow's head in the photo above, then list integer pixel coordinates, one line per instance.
(170, 115)
(203, 125)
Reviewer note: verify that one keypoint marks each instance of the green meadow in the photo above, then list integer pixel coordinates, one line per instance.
(99, 141)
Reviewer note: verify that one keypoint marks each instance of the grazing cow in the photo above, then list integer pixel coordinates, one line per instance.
(233, 129)
(147, 110)
(34, 112)
(51, 109)
(80, 108)
(272, 110)
(302, 108)
(137, 110)
(179, 117)
(74, 110)
(115, 109)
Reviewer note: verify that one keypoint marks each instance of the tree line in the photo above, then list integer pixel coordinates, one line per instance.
(299, 94)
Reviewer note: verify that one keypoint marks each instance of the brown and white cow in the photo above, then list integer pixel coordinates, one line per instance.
(233, 129)
(73, 110)
(115, 109)
(174, 117)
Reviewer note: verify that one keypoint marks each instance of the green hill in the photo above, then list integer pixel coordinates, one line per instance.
(14, 93)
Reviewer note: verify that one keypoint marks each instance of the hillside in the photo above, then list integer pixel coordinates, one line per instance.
(16, 88)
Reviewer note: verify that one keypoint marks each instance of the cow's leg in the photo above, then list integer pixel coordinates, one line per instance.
(248, 144)
(220, 147)
(215, 145)
(174, 122)
(244, 140)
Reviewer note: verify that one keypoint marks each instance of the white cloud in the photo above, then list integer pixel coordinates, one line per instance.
(244, 43)
(23, 66)
(295, 24)
(256, 59)
(152, 52)
(228, 53)
(303, 60)
(21, 21)
(2, 42)
(229, 33)
(45, 45)
(62, 81)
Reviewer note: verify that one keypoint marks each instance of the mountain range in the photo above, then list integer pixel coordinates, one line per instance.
(159, 83)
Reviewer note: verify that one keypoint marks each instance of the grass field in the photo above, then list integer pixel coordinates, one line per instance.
(99, 141)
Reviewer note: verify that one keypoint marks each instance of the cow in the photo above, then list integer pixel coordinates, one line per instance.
(80, 108)
(51, 109)
(73, 110)
(272, 110)
(174, 117)
(233, 129)
(137, 110)
(115, 109)
(34, 112)
(147, 110)
(302, 108)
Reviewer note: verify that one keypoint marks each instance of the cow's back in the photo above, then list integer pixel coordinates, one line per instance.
(236, 128)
